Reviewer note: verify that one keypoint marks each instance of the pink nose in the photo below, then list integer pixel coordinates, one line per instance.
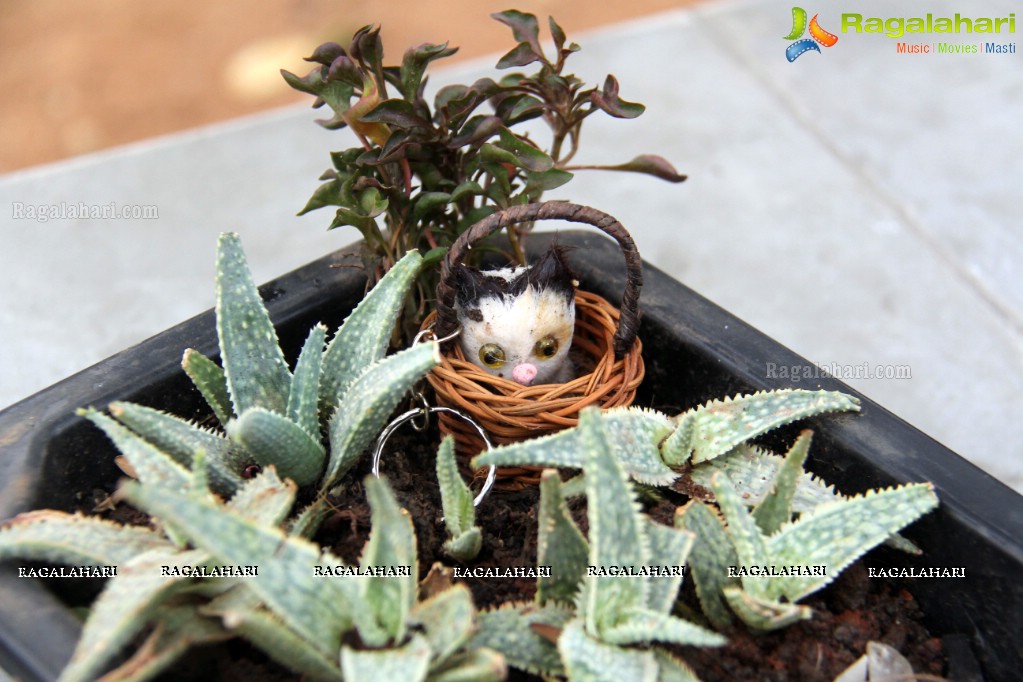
(524, 373)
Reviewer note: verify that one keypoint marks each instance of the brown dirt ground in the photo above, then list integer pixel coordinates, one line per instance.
(79, 77)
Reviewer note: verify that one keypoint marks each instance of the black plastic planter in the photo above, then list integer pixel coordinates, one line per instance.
(694, 351)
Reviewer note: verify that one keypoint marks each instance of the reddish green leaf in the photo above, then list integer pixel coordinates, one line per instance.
(610, 102)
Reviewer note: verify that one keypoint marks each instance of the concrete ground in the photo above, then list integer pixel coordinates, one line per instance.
(859, 205)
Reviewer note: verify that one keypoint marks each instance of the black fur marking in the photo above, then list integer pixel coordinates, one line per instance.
(473, 314)
(551, 272)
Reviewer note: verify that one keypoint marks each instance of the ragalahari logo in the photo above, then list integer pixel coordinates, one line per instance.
(818, 35)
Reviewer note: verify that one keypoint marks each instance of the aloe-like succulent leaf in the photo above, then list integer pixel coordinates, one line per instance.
(587, 659)
(642, 626)
(241, 612)
(316, 608)
(271, 438)
(750, 545)
(303, 400)
(838, 533)
(752, 470)
(465, 539)
(669, 548)
(410, 661)
(152, 466)
(708, 561)
(671, 669)
(209, 378)
(764, 614)
(475, 665)
(124, 607)
(363, 337)
(392, 543)
(634, 435)
(617, 536)
(74, 539)
(447, 620)
(254, 365)
(776, 508)
(560, 544)
(181, 439)
(509, 630)
(372, 398)
(264, 499)
(711, 430)
(177, 630)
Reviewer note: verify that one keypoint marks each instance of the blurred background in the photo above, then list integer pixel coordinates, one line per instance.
(84, 76)
(859, 205)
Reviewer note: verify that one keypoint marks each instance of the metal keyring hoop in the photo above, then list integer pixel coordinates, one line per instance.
(411, 414)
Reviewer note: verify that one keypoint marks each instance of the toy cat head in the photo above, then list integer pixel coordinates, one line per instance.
(518, 323)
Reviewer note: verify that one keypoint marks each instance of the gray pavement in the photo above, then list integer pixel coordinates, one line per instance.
(859, 205)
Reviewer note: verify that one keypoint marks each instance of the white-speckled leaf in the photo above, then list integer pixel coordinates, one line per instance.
(447, 619)
(711, 555)
(560, 544)
(373, 397)
(776, 507)
(838, 533)
(409, 662)
(633, 434)
(76, 540)
(392, 542)
(617, 532)
(257, 373)
(124, 607)
(152, 466)
(750, 545)
(182, 439)
(668, 547)
(208, 377)
(265, 499)
(317, 608)
(589, 660)
(273, 439)
(509, 631)
(764, 614)
(713, 429)
(364, 336)
(304, 398)
(643, 626)
(456, 501)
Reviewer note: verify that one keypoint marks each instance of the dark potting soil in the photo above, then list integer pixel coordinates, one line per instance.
(847, 614)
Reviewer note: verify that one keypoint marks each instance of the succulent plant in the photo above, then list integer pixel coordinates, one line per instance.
(464, 536)
(653, 447)
(763, 562)
(609, 598)
(292, 428)
(430, 173)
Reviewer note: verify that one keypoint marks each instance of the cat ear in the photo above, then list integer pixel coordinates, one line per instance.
(552, 272)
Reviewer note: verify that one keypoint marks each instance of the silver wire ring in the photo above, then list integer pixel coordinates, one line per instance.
(412, 414)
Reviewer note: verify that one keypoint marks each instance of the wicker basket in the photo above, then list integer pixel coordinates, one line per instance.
(604, 337)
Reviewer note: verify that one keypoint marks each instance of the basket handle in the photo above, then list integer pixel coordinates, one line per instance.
(628, 322)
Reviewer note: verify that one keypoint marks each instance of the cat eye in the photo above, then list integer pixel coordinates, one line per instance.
(545, 348)
(492, 355)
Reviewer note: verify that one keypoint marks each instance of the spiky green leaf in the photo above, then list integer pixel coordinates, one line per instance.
(617, 536)
(642, 626)
(369, 403)
(715, 428)
(560, 544)
(74, 539)
(363, 337)
(456, 501)
(447, 619)
(750, 545)
(271, 438)
(305, 384)
(208, 377)
(711, 555)
(392, 543)
(410, 662)
(182, 439)
(151, 465)
(668, 549)
(509, 629)
(318, 609)
(776, 508)
(124, 607)
(257, 374)
(264, 499)
(764, 614)
(587, 659)
(634, 435)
